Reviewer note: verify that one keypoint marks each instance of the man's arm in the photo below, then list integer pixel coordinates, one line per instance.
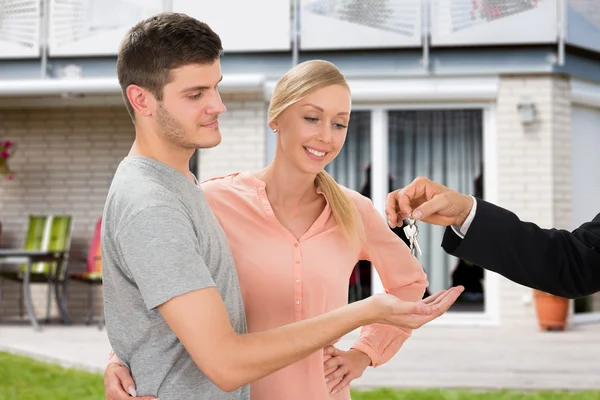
(555, 261)
(200, 321)
(161, 253)
(231, 360)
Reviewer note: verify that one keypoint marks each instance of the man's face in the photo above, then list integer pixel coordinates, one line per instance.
(190, 107)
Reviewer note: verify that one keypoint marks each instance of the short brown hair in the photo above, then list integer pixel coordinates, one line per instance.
(156, 45)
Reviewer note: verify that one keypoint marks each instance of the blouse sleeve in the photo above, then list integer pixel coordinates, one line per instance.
(401, 275)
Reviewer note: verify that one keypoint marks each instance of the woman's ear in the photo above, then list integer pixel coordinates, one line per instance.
(274, 125)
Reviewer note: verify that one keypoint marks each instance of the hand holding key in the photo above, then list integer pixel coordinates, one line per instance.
(428, 201)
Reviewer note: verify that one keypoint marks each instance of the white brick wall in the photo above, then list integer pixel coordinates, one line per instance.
(562, 154)
(65, 162)
(243, 147)
(534, 168)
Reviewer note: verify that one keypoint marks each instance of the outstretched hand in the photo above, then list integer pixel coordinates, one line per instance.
(413, 315)
(349, 365)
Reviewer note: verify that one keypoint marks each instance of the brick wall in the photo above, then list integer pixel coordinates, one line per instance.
(534, 168)
(243, 147)
(562, 154)
(66, 159)
(64, 164)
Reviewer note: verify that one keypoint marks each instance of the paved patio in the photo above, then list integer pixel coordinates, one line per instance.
(436, 356)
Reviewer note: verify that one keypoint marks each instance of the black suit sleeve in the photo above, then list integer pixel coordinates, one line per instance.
(555, 261)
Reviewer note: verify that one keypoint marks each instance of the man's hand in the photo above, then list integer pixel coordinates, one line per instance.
(390, 310)
(347, 365)
(118, 384)
(413, 315)
(429, 202)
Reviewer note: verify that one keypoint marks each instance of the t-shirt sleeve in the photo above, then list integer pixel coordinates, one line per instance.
(160, 251)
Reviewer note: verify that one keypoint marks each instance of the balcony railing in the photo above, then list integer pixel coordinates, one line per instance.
(93, 27)
(76, 28)
(355, 24)
(491, 22)
(19, 28)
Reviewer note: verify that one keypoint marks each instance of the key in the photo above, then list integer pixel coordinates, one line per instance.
(416, 243)
(412, 231)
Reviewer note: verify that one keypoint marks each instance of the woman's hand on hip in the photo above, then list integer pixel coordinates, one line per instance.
(347, 365)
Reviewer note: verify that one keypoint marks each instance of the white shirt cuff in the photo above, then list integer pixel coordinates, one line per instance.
(462, 230)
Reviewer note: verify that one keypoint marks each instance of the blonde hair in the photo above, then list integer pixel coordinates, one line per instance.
(296, 84)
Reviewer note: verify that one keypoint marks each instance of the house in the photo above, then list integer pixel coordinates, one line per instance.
(472, 93)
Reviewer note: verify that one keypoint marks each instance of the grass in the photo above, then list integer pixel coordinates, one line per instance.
(471, 395)
(25, 379)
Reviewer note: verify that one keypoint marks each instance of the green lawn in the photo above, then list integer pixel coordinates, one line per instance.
(25, 379)
(470, 395)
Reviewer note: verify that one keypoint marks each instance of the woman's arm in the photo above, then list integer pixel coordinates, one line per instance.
(401, 275)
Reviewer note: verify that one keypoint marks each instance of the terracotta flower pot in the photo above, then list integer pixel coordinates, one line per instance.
(552, 311)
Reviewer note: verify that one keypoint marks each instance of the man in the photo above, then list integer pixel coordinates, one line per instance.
(555, 261)
(173, 306)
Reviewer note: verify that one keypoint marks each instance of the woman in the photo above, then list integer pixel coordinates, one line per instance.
(296, 235)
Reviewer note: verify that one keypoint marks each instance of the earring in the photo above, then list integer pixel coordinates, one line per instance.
(275, 131)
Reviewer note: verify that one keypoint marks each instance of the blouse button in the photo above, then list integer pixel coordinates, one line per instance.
(297, 280)
(297, 301)
(295, 244)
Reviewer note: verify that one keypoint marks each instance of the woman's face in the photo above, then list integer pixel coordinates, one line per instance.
(312, 131)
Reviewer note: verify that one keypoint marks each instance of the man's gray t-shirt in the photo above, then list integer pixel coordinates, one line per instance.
(161, 240)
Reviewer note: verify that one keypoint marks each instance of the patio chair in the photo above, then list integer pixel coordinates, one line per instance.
(33, 241)
(92, 276)
(44, 233)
